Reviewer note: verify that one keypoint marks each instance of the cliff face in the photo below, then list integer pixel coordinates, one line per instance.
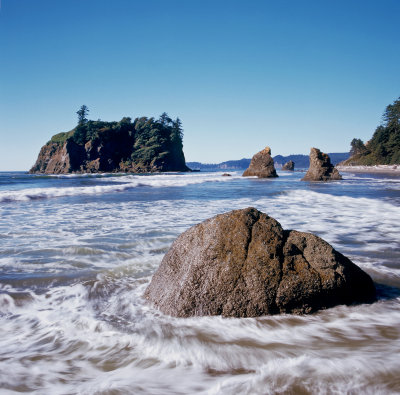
(140, 147)
(56, 158)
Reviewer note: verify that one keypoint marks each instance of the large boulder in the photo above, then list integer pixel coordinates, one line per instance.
(321, 168)
(288, 166)
(243, 264)
(261, 165)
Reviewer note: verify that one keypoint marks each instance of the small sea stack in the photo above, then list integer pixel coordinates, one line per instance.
(244, 264)
(321, 168)
(261, 165)
(289, 166)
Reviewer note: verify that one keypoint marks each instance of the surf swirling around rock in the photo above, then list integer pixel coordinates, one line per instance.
(244, 264)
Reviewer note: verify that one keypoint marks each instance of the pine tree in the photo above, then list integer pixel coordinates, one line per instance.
(82, 113)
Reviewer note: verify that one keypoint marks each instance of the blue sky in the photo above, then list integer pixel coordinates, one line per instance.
(240, 74)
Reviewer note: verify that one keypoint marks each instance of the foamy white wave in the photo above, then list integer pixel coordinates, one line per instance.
(375, 183)
(101, 337)
(42, 193)
(105, 235)
(120, 184)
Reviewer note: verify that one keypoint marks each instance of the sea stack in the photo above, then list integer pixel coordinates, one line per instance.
(244, 264)
(145, 145)
(261, 165)
(288, 166)
(321, 168)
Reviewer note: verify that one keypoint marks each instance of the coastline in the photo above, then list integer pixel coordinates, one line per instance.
(391, 169)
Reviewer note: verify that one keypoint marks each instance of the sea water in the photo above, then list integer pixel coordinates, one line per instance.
(77, 252)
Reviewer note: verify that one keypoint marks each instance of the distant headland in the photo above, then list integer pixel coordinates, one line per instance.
(146, 145)
(384, 146)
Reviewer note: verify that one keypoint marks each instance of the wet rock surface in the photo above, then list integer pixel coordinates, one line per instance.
(261, 165)
(321, 168)
(244, 264)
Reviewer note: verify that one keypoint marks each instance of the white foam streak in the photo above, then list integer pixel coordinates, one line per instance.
(118, 184)
(112, 341)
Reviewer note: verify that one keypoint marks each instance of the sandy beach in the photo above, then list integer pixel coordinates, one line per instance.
(392, 169)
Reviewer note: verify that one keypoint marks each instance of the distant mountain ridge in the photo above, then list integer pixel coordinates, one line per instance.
(301, 162)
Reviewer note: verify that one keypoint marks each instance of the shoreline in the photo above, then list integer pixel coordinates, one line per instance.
(390, 169)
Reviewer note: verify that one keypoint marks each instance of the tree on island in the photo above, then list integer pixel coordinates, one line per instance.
(164, 119)
(81, 130)
(82, 114)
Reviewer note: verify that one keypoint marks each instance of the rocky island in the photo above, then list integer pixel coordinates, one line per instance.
(261, 165)
(288, 166)
(142, 146)
(244, 264)
(321, 168)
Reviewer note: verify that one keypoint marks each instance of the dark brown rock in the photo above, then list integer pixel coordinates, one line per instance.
(261, 165)
(321, 168)
(55, 158)
(288, 166)
(100, 156)
(226, 175)
(243, 264)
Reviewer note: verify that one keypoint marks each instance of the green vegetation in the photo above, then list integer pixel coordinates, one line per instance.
(357, 147)
(384, 146)
(61, 138)
(155, 140)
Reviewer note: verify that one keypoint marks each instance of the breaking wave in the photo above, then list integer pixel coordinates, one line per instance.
(109, 185)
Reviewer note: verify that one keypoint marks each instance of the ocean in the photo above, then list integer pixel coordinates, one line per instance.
(77, 252)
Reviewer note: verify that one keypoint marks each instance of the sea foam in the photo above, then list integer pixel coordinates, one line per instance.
(73, 320)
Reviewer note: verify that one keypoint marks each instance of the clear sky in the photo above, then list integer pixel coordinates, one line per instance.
(240, 74)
